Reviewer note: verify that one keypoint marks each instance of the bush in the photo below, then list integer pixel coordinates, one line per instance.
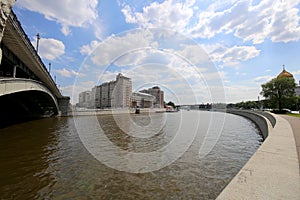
(280, 111)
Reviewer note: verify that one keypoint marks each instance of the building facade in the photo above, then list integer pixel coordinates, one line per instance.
(122, 92)
(113, 94)
(85, 99)
(297, 90)
(158, 94)
(142, 100)
(287, 74)
(106, 94)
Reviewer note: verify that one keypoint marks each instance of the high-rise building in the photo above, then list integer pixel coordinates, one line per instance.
(158, 94)
(122, 92)
(106, 94)
(113, 94)
(85, 99)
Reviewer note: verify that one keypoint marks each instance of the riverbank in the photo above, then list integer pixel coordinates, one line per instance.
(82, 112)
(272, 172)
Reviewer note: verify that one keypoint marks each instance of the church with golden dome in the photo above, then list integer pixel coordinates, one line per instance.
(287, 74)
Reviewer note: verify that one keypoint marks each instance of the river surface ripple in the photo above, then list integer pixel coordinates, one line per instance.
(45, 159)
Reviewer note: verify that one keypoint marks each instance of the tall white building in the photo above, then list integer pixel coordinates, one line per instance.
(122, 92)
(106, 94)
(85, 99)
(113, 94)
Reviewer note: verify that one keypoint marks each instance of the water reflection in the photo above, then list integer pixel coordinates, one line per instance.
(26, 153)
(46, 159)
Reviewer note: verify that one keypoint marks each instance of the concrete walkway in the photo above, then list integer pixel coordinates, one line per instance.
(295, 124)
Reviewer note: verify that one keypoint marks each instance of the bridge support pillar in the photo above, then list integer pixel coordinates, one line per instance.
(63, 104)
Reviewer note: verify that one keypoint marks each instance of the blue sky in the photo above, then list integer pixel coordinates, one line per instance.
(197, 51)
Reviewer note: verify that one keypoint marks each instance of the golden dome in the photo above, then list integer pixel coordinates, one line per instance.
(285, 73)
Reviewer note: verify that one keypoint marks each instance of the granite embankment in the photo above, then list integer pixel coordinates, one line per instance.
(273, 171)
(81, 112)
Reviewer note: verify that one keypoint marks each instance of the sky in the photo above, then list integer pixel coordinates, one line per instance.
(196, 51)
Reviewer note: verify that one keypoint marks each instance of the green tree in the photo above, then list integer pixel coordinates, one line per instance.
(279, 91)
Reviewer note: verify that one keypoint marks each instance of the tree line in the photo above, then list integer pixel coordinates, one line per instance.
(279, 94)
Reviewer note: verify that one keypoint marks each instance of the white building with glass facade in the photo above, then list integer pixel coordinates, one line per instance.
(142, 100)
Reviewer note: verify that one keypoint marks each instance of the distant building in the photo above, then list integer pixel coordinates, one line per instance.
(287, 74)
(143, 100)
(122, 92)
(297, 90)
(158, 94)
(106, 91)
(85, 99)
(113, 94)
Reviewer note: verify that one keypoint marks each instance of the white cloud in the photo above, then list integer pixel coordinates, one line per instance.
(68, 73)
(194, 53)
(262, 79)
(168, 14)
(50, 48)
(76, 13)
(88, 49)
(285, 21)
(116, 46)
(240, 93)
(231, 55)
(296, 72)
(276, 20)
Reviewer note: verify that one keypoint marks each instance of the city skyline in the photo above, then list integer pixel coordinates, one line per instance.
(118, 94)
(113, 94)
(242, 52)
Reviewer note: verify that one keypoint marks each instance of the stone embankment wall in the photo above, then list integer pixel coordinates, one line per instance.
(273, 171)
(262, 123)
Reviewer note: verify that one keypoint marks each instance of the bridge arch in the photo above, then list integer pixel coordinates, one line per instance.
(25, 99)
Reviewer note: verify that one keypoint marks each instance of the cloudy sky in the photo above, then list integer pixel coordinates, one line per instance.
(197, 51)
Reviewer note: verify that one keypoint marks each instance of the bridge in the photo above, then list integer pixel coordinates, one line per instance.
(27, 90)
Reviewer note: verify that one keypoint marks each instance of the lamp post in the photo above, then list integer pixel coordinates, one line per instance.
(37, 42)
(49, 67)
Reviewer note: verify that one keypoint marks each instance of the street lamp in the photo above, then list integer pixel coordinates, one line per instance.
(37, 42)
(49, 67)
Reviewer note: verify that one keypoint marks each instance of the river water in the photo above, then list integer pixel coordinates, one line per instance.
(51, 158)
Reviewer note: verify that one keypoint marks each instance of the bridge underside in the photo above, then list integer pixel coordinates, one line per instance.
(24, 106)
